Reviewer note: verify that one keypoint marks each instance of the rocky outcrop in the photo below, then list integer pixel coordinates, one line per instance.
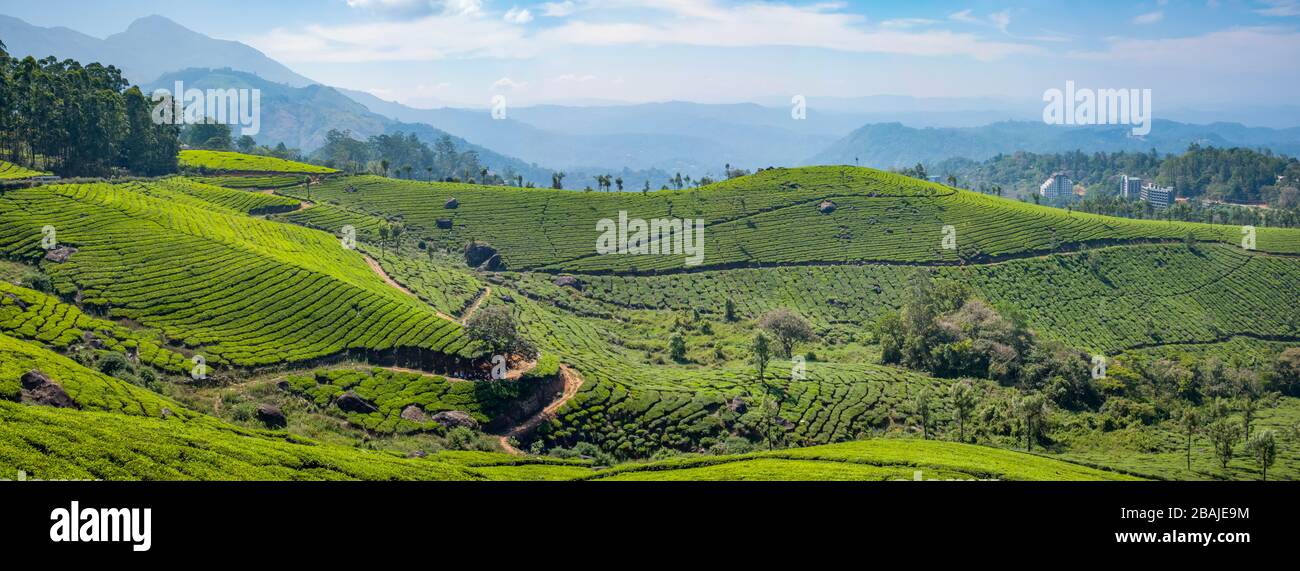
(271, 416)
(443, 223)
(38, 389)
(484, 257)
(826, 207)
(570, 282)
(414, 413)
(60, 254)
(352, 402)
(737, 405)
(455, 418)
(493, 264)
(451, 203)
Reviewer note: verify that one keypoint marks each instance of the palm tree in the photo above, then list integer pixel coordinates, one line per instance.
(619, 181)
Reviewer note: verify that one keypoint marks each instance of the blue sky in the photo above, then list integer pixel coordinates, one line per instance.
(431, 52)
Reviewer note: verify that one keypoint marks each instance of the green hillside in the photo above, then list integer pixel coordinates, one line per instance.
(767, 219)
(10, 171)
(170, 256)
(880, 459)
(228, 161)
(258, 282)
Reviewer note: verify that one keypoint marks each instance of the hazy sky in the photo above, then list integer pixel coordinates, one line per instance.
(427, 52)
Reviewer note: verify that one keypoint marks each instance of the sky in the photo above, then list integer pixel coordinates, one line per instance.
(425, 53)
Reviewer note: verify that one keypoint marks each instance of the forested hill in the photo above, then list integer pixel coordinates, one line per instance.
(1230, 174)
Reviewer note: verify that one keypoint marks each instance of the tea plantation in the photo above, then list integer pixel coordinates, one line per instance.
(250, 273)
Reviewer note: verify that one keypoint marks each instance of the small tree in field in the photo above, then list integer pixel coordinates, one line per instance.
(1223, 434)
(677, 347)
(495, 328)
(1262, 448)
(762, 353)
(1033, 413)
(923, 412)
(1190, 423)
(963, 401)
(788, 328)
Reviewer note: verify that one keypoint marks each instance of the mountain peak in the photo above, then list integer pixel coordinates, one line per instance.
(156, 24)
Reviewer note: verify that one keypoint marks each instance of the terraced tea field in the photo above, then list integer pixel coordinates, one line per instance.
(1105, 300)
(167, 269)
(227, 161)
(767, 219)
(10, 171)
(172, 257)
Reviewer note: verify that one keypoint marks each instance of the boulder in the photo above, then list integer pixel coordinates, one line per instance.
(91, 341)
(444, 223)
(451, 203)
(417, 454)
(18, 302)
(826, 207)
(38, 389)
(569, 281)
(454, 418)
(271, 415)
(60, 254)
(493, 264)
(737, 405)
(414, 414)
(166, 412)
(478, 253)
(352, 402)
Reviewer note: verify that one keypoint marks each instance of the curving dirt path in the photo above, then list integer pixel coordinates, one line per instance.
(379, 271)
(572, 382)
(478, 301)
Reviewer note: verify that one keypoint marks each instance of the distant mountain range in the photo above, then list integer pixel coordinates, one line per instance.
(150, 47)
(302, 116)
(642, 142)
(890, 145)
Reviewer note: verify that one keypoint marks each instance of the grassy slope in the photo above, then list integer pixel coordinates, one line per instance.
(10, 171)
(878, 459)
(240, 162)
(122, 433)
(751, 220)
(169, 255)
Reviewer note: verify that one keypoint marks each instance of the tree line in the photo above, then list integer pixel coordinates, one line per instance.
(405, 156)
(75, 120)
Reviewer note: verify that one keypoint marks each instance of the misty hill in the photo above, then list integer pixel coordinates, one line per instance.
(890, 145)
(300, 117)
(139, 51)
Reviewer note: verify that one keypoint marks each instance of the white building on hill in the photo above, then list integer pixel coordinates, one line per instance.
(1158, 196)
(1130, 187)
(1056, 186)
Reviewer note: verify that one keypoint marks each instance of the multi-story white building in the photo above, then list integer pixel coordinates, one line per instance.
(1056, 186)
(1158, 196)
(1130, 187)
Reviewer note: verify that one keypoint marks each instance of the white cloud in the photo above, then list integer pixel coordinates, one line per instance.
(433, 37)
(707, 23)
(907, 23)
(964, 17)
(518, 16)
(461, 29)
(573, 77)
(559, 9)
(506, 83)
(1000, 20)
(1280, 8)
(1149, 17)
(1218, 51)
(417, 8)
